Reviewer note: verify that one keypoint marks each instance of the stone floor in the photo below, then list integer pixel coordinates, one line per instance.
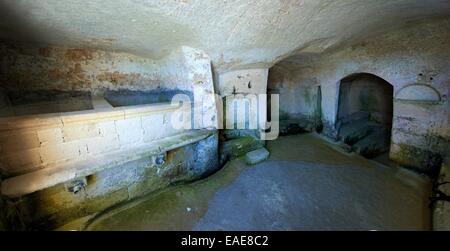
(307, 184)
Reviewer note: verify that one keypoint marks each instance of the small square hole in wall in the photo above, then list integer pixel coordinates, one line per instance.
(91, 179)
(76, 186)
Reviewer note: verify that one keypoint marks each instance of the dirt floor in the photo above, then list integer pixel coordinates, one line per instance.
(307, 184)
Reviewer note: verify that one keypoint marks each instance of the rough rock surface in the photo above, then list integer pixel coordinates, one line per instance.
(238, 147)
(376, 143)
(232, 32)
(133, 179)
(290, 127)
(420, 87)
(364, 136)
(355, 131)
(441, 211)
(239, 133)
(299, 125)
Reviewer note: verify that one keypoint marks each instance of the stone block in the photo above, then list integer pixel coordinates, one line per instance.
(19, 141)
(238, 147)
(107, 128)
(130, 131)
(206, 156)
(153, 126)
(82, 131)
(257, 156)
(169, 128)
(355, 131)
(374, 144)
(50, 136)
(99, 145)
(60, 152)
(19, 161)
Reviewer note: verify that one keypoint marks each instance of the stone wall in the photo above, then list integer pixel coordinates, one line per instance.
(55, 206)
(239, 93)
(30, 143)
(413, 56)
(240, 89)
(49, 152)
(34, 143)
(300, 104)
(32, 67)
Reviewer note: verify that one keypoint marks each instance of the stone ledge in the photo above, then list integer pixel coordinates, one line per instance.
(51, 176)
(89, 116)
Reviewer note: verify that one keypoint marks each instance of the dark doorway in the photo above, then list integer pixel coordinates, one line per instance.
(365, 110)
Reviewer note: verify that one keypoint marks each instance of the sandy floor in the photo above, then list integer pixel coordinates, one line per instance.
(307, 184)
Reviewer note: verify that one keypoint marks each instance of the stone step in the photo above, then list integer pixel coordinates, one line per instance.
(375, 143)
(235, 148)
(257, 156)
(353, 132)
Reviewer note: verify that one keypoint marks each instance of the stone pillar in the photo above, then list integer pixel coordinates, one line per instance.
(198, 70)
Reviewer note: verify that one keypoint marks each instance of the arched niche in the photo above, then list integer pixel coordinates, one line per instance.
(365, 92)
(365, 114)
(418, 93)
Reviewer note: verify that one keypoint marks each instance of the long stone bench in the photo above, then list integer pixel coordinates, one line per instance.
(102, 111)
(33, 142)
(44, 178)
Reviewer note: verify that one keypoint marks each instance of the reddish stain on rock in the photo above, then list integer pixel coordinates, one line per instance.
(79, 54)
(117, 77)
(74, 76)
